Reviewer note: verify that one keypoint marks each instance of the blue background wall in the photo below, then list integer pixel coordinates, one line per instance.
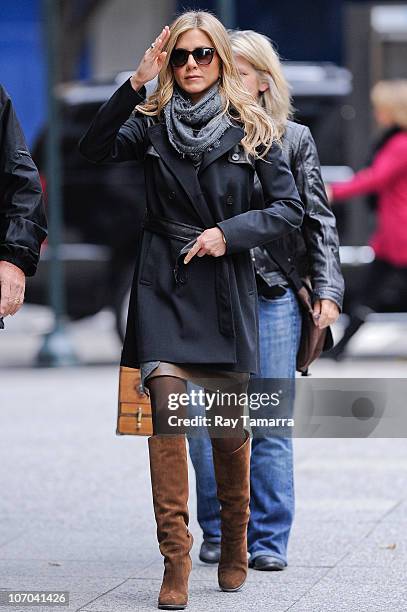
(21, 61)
(301, 29)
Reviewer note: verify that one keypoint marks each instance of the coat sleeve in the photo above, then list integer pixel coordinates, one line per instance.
(319, 225)
(22, 218)
(283, 210)
(112, 135)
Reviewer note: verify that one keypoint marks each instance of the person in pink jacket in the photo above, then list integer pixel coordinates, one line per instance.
(386, 178)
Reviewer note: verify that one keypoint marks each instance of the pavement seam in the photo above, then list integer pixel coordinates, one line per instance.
(399, 503)
(81, 608)
(361, 539)
(370, 531)
(308, 590)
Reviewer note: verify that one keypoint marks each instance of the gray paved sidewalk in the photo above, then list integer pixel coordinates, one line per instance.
(76, 511)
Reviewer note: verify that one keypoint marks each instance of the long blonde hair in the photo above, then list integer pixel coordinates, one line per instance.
(392, 96)
(258, 50)
(259, 127)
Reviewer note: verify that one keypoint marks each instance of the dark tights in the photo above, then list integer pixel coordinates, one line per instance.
(161, 388)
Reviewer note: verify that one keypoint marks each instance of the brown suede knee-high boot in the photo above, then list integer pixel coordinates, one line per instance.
(169, 481)
(232, 471)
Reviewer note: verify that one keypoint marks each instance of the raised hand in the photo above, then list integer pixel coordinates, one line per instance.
(152, 61)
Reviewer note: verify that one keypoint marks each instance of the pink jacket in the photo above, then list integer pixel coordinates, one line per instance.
(387, 177)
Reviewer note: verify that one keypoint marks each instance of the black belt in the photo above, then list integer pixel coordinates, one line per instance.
(178, 231)
(270, 291)
(171, 229)
(189, 233)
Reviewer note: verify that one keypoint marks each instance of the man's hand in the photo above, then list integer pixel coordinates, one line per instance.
(326, 312)
(210, 242)
(12, 287)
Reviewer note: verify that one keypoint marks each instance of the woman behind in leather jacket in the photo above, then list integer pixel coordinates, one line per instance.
(314, 250)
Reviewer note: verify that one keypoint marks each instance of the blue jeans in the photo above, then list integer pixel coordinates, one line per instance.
(271, 472)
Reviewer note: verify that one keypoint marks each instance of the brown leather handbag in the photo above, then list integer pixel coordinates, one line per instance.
(134, 407)
(313, 339)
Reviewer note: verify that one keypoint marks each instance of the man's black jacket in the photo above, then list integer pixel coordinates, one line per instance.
(22, 218)
(314, 248)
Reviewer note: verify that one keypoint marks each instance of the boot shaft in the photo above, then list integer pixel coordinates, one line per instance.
(232, 471)
(169, 484)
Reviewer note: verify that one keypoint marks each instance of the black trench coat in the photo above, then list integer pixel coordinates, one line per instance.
(212, 318)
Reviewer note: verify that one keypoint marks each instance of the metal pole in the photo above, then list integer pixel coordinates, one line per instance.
(226, 11)
(57, 349)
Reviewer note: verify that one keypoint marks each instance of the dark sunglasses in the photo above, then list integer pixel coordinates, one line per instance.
(202, 55)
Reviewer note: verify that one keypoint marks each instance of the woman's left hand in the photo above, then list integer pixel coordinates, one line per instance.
(210, 242)
(326, 313)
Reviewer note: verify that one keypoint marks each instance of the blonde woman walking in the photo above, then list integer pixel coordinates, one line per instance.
(193, 309)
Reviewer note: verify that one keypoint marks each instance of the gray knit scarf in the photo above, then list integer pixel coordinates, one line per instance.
(195, 128)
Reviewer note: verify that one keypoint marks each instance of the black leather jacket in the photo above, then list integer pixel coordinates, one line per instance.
(313, 249)
(22, 217)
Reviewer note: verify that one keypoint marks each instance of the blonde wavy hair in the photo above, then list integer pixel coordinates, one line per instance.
(392, 96)
(260, 129)
(258, 50)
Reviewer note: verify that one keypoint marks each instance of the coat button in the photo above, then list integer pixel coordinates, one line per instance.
(235, 156)
(171, 195)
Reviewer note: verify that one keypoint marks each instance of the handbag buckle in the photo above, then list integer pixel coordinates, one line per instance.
(139, 416)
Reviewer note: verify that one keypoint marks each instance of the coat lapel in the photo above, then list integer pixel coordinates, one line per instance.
(182, 168)
(230, 138)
